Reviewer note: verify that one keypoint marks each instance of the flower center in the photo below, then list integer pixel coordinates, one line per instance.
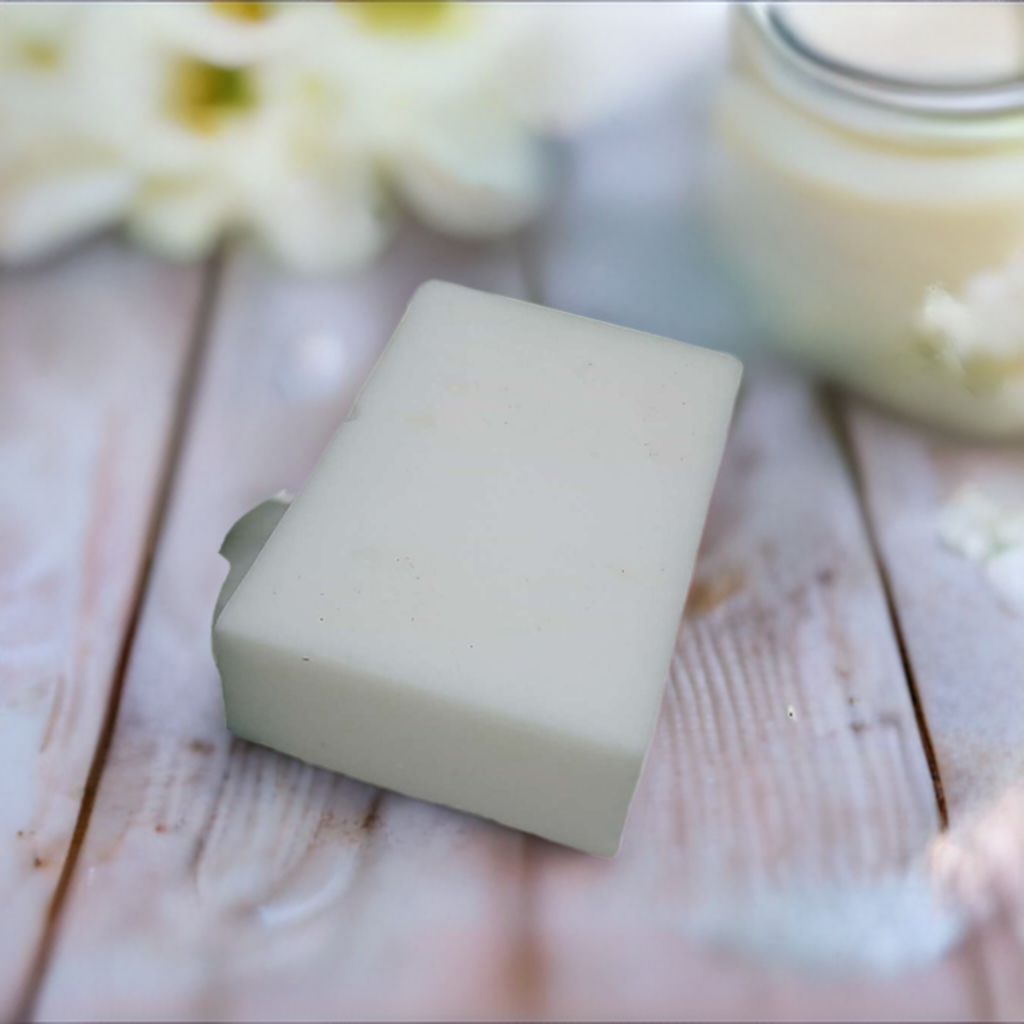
(402, 17)
(203, 95)
(40, 54)
(251, 12)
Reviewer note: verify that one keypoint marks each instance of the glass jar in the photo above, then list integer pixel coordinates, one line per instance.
(877, 223)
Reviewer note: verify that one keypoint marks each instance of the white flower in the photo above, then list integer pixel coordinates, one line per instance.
(454, 95)
(50, 207)
(57, 184)
(428, 87)
(35, 45)
(587, 61)
(305, 124)
(467, 172)
(235, 129)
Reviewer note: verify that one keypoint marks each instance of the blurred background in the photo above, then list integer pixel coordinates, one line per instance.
(211, 218)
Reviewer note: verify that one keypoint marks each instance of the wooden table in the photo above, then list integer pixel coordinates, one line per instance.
(841, 747)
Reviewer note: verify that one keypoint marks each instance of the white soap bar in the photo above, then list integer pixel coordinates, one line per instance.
(475, 597)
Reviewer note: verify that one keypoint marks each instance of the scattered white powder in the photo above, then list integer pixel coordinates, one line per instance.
(845, 927)
(965, 877)
(1006, 573)
(851, 927)
(975, 526)
(980, 332)
(976, 865)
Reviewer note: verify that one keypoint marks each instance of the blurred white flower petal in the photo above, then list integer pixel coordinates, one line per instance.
(586, 61)
(469, 173)
(51, 209)
(333, 218)
(428, 50)
(232, 34)
(39, 79)
(181, 219)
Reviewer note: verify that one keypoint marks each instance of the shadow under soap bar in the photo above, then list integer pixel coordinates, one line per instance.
(475, 597)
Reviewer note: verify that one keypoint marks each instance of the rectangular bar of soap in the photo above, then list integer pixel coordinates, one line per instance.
(474, 599)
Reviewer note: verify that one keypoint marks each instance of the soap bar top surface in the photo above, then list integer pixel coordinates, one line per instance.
(508, 522)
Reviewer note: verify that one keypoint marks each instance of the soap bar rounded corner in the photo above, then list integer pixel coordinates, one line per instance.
(432, 290)
(609, 851)
(735, 365)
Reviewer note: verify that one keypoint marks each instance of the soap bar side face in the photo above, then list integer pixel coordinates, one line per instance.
(507, 526)
(565, 789)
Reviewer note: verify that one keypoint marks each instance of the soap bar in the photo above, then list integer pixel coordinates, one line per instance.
(475, 597)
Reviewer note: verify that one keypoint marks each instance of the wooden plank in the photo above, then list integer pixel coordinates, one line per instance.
(283, 890)
(91, 353)
(966, 649)
(965, 646)
(768, 869)
(219, 879)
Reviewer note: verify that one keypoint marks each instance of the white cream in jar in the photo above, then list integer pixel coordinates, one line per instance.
(868, 189)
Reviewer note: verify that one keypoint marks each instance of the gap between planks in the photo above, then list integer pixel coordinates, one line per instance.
(968, 650)
(300, 834)
(830, 401)
(528, 969)
(184, 404)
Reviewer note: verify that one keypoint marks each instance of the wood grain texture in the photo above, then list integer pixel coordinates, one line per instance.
(766, 871)
(91, 352)
(219, 879)
(966, 651)
(769, 803)
(966, 647)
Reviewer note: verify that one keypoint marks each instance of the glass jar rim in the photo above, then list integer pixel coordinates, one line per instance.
(998, 97)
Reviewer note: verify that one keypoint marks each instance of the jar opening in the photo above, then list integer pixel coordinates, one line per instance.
(999, 92)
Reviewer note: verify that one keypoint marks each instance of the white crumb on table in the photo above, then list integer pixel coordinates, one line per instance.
(977, 527)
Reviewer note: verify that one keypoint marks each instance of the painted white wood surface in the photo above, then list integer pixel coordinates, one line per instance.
(220, 879)
(280, 890)
(91, 352)
(787, 793)
(762, 772)
(965, 647)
